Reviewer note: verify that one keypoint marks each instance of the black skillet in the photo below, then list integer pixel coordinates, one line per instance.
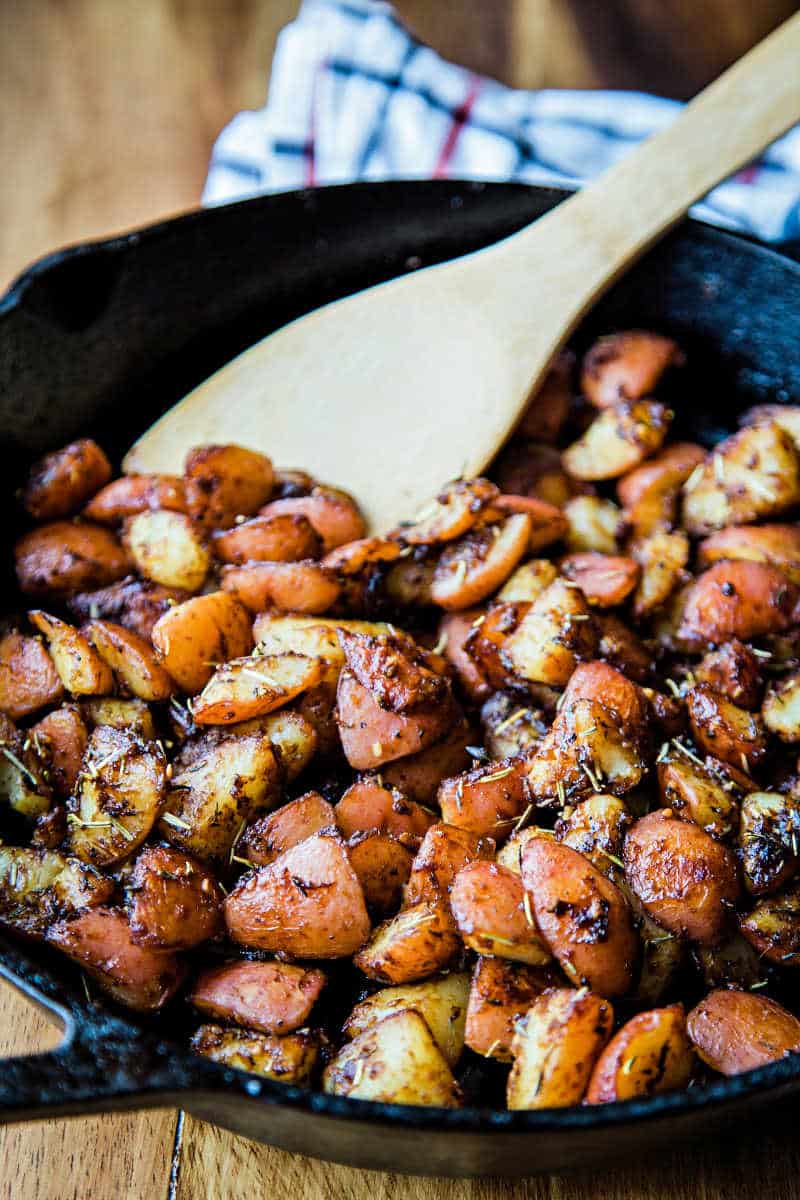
(99, 340)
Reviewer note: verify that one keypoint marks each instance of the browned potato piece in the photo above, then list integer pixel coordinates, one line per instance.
(486, 642)
(100, 941)
(650, 494)
(552, 636)
(734, 671)
(286, 537)
(399, 674)
(738, 600)
(333, 513)
(28, 678)
(787, 416)
(289, 1059)
(118, 797)
(510, 727)
(510, 855)
(596, 829)
(216, 790)
(734, 963)
(408, 581)
(294, 740)
(372, 736)
(737, 1031)
(695, 791)
(418, 776)
(396, 1061)
(224, 482)
(354, 558)
(525, 468)
(270, 835)
(594, 524)
(449, 515)
(301, 587)
(454, 629)
(250, 687)
(68, 556)
(479, 563)
(605, 579)
(443, 853)
(494, 914)
(121, 714)
(773, 927)
(38, 887)
(22, 782)
(769, 837)
(132, 494)
(174, 902)
(527, 583)
(486, 800)
(419, 941)
(651, 1053)
(548, 409)
(778, 545)
(621, 648)
(60, 742)
(271, 997)
(781, 709)
(191, 637)
(620, 438)
(80, 668)
(626, 366)
(687, 881)
(382, 864)
(662, 557)
(725, 730)
(442, 1004)
(61, 482)
(291, 483)
(587, 748)
(368, 806)
(548, 523)
(555, 1048)
(167, 548)
(134, 603)
(308, 903)
(752, 474)
(500, 993)
(604, 684)
(132, 660)
(582, 916)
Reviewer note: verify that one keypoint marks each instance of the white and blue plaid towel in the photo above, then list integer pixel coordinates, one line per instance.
(353, 95)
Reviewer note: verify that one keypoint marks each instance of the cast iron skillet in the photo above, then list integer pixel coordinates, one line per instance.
(101, 338)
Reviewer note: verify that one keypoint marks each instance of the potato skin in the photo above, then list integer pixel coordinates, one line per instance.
(651, 1053)
(64, 557)
(190, 637)
(174, 902)
(269, 836)
(501, 991)
(725, 730)
(488, 904)
(368, 806)
(28, 679)
(444, 851)
(442, 1004)
(132, 494)
(687, 881)
(735, 1031)
(555, 1048)
(270, 997)
(582, 916)
(308, 903)
(132, 659)
(733, 671)
(418, 776)
(478, 564)
(421, 940)
(778, 545)
(81, 669)
(486, 800)
(288, 1059)
(382, 865)
(281, 538)
(301, 587)
(135, 604)
(59, 483)
(225, 481)
(333, 514)
(61, 737)
(626, 366)
(741, 600)
(606, 580)
(372, 735)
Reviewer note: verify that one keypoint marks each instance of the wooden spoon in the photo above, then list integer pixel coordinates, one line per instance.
(397, 389)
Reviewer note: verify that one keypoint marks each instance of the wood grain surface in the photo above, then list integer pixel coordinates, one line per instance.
(108, 114)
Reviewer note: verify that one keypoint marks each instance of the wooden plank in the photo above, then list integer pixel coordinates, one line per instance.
(121, 1157)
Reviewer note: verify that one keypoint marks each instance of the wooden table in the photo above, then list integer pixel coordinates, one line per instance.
(109, 111)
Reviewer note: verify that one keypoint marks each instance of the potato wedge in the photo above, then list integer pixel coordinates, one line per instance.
(626, 366)
(752, 474)
(270, 997)
(287, 537)
(736, 1031)
(619, 439)
(606, 580)
(167, 547)
(494, 915)
(132, 494)
(605, 685)
(290, 1059)
(741, 600)
(28, 678)
(100, 941)
(270, 835)
(134, 603)
(662, 557)
(80, 668)
(224, 482)
(594, 524)
(118, 797)
(65, 557)
(651, 1053)
(553, 635)
(38, 887)
(695, 791)
(60, 483)
(501, 992)
(308, 903)
(444, 851)
(300, 587)
(555, 1048)
(725, 730)
(769, 837)
(334, 515)
(251, 687)
(773, 927)
(421, 940)
(449, 515)
(687, 881)
(777, 545)
(382, 864)
(132, 660)
(59, 741)
(586, 750)
(174, 902)
(478, 564)
(510, 855)
(442, 1004)
(191, 637)
(582, 916)
(396, 1061)
(733, 671)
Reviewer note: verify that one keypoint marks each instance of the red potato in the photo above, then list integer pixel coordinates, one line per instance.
(382, 864)
(486, 800)
(650, 493)
(454, 629)
(548, 409)
(223, 482)
(449, 515)
(626, 366)
(511, 728)
(778, 545)
(555, 1048)
(301, 587)
(22, 783)
(66, 556)
(307, 903)
(605, 579)
(132, 660)
(725, 730)
(621, 648)
(596, 829)
(418, 776)
(650, 1054)
(486, 642)
(501, 992)
(442, 1004)
(687, 881)
(698, 793)
(528, 581)
(269, 836)
(773, 927)
(735, 1031)
(408, 580)
(421, 940)
(548, 523)
(271, 997)
(553, 635)
(59, 483)
(582, 916)
(291, 483)
(443, 853)
(28, 679)
(399, 674)
(174, 901)
(769, 837)
(60, 741)
(333, 513)
(594, 524)
(254, 686)
(480, 562)
(191, 637)
(586, 749)
(733, 671)
(136, 604)
(368, 806)
(753, 474)
(101, 942)
(372, 736)
(618, 440)
(607, 686)
(38, 887)
(81, 669)
(662, 557)
(289, 1059)
(167, 548)
(493, 915)
(132, 494)
(741, 600)
(287, 537)
(353, 558)
(532, 468)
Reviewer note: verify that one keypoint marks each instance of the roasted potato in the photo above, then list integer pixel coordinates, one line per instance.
(694, 790)
(494, 914)
(555, 1048)
(594, 525)
(651, 1053)
(270, 997)
(478, 564)
(167, 548)
(773, 927)
(68, 556)
(60, 483)
(736, 1031)
(662, 557)
(289, 1059)
(500, 993)
(174, 902)
(449, 515)
(769, 837)
(741, 600)
(725, 730)
(596, 829)
(650, 493)
(486, 800)
(368, 806)
(626, 366)
(510, 728)
(39, 887)
(28, 679)
(132, 494)
(23, 785)
(191, 638)
(421, 940)
(777, 545)
(587, 749)
(382, 864)
(119, 714)
(442, 854)
(528, 581)
(301, 587)
(59, 740)
(254, 686)
(269, 836)
(372, 735)
(137, 604)
(553, 635)
(418, 776)
(396, 1061)
(333, 514)
(132, 660)
(224, 482)
(287, 537)
(732, 671)
(441, 1002)
(80, 668)
(606, 580)
(620, 438)
(781, 708)
(752, 474)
